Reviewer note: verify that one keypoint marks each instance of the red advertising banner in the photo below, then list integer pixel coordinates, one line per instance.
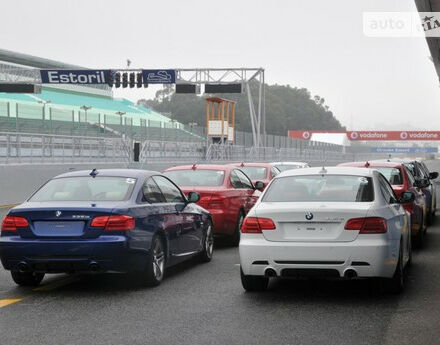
(393, 135)
(374, 135)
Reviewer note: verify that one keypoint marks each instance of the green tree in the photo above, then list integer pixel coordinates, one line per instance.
(286, 108)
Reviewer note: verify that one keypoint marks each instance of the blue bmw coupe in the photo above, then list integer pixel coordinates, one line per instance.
(111, 220)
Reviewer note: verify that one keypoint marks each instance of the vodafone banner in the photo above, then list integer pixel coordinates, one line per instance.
(374, 135)
(393, 135)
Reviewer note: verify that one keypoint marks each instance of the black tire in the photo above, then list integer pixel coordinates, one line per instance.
(208, 244)
(396, 284)
(253, 283)
(235, 238)
(155, 270)
(27, 278)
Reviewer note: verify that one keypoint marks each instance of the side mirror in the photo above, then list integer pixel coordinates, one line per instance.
(433, 175)
(426, 182)
(193, 197)
(418, 184)
(407, 197)
(259, 185)
(422, 183)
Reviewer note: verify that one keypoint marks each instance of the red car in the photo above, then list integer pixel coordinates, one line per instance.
(263, 172)
(402, 180)
(224, 190)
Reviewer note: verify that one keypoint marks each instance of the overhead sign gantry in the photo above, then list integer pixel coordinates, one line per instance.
(187, 80)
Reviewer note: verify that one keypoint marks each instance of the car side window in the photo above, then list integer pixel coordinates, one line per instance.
(235, 180)
(245, 182)
(419, 171)
(274, 171)
(387, 190)
(151, 192)
(169, 190)
(410, 177)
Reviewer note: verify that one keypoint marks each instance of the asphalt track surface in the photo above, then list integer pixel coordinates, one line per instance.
(205, 304)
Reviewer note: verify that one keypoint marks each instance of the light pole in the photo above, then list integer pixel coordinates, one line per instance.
(44, 106)
(120, 113)
(85, 108)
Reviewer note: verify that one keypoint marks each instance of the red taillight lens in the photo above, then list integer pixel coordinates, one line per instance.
(368, 225)
(99, 222)
(255, 225)
(11, 223)
(113, 223)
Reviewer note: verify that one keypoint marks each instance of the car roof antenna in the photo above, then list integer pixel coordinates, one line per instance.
(94, 172)
(194, 166)
(323, 170)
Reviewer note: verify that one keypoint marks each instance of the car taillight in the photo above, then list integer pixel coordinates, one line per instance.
(110, 223)
(367, 225)
(11, 223)
(255, 225)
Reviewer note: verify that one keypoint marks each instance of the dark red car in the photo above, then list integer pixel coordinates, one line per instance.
(402, 180)
(225, 191)
(263, 172)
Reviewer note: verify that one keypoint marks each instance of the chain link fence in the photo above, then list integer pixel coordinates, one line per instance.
(43, 133)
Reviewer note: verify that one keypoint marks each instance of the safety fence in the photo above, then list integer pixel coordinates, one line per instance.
(51, 119)
(45, 148)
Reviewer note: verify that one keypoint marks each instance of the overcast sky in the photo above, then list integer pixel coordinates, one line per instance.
(367, 82)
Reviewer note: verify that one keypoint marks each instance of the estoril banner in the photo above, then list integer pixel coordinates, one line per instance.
(373, 135)
(86, 76)
(393, 135)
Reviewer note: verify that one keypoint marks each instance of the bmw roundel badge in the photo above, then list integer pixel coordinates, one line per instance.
(309, 215)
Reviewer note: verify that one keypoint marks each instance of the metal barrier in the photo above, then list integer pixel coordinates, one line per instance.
(42, 148)
(31, 133)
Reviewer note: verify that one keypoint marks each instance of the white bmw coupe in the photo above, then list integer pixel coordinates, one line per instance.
(338, 222)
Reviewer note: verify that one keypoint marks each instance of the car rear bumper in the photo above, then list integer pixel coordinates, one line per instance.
(375, 257)
(106, 253)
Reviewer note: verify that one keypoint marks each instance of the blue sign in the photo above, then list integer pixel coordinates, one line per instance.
(404, 149)
(159, 76)
(81, 76)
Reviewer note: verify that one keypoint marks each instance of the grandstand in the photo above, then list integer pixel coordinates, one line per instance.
(80, 110)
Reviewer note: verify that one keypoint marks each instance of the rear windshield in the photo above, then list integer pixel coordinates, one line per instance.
(288, 167)
(254, 173)
(202, 178)
(86, 189)
(393, 175)
(333, 188)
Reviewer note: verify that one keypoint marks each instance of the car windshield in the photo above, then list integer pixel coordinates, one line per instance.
(332, 188)
(83, 188)
(285, 167)
(393, 175)
(255, 173)
(198, 177)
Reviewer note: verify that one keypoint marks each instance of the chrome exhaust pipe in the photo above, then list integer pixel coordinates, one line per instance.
(270, 272)
(94, 267)
(350, 273)
(23, 267)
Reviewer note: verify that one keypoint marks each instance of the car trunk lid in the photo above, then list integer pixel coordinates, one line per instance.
(55, 220)
(311, 221)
